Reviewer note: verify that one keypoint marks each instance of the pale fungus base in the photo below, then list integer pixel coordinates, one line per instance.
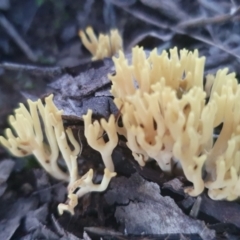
(105, 45)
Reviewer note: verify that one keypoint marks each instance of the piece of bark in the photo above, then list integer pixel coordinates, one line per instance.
(35, 218)
(146, 211)
(175, 185)
(8, 228)
(101, 231)
(62, 232)
(6, 167)
(43, 186)
(12, 214)
(101, 106)
(223, 211)
(93, 77)
(43, 232)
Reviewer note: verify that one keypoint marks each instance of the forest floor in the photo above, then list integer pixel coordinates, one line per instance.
(39, 50)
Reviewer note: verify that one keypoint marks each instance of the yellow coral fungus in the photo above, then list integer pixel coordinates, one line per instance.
(29, 138)
(40, 131)
(102, 46)
(166, 116)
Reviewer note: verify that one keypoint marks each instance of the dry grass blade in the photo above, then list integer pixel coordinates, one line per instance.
(198, 22)
(35, 70)
(12, 32)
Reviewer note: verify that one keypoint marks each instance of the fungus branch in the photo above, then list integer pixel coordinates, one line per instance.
(83, 186)
(94, 134)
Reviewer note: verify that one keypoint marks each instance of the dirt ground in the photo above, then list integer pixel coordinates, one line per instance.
(39, 45)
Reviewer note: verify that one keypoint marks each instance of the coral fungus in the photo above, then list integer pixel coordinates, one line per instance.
(40, 132)
(106, 45)
(167, 117)
(43, 142)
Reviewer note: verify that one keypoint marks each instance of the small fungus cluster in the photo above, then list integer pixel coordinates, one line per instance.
(105, 45)
(40, 131)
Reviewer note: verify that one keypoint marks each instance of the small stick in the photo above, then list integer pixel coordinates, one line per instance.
(12, 32)
(195, 208)
(36, 70)
(204, 21)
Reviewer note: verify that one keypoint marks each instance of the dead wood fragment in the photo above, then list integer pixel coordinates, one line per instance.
(102, 231)
(223, 211)
(175, 185)
(6, 167)
(143, 210)
(35, 218)
(8, 228)
(12, 214)
(92, 77)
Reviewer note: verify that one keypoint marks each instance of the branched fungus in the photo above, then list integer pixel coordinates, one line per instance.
(40, 131)
(102, 46)
(167, 117)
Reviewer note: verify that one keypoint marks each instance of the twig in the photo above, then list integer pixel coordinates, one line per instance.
(36, 70)
(195, 208)
(211, 43)
(164, 36)
(204, 21)
(153, 19)
(141, 13)
(48, 188)
(168, 8)
(12, 32)
(57, 226)
(211, 6)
